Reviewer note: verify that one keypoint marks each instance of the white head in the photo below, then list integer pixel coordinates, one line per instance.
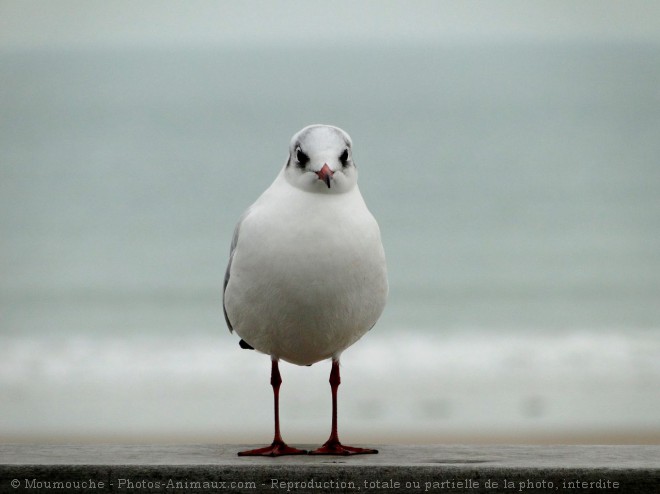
(321, 160)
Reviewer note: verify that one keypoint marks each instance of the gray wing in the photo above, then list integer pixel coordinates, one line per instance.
(232, 249)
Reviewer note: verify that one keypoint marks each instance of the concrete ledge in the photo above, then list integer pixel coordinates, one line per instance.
(214, 468)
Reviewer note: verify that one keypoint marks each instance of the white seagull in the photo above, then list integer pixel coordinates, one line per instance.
(307, 276)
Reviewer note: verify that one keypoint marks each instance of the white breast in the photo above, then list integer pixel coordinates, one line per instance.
(308, 277)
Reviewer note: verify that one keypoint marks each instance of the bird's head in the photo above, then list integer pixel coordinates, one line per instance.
(321, 160)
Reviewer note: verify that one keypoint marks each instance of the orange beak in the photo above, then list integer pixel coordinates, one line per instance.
(325, 174)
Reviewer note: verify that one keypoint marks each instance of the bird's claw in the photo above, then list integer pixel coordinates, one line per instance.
(275, 449)
(337, 448)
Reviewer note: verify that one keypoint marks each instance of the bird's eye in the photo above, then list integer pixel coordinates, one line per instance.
(301, 157)
(343, 157)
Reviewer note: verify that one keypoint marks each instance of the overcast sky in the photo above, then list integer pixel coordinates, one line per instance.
(91, 23)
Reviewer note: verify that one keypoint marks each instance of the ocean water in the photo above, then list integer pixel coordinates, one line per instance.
(518, 193)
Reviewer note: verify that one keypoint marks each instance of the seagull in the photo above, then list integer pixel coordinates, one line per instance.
(307, 276)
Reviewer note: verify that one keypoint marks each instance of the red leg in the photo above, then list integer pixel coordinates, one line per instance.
(332, 446)
(279, 447)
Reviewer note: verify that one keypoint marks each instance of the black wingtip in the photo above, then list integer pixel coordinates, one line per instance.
(245, 346)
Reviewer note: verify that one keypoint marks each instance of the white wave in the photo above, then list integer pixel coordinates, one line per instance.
(395, 385)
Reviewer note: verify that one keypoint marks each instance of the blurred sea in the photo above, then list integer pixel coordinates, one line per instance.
(518, 193)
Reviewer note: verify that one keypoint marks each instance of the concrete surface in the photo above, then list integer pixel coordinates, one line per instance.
(427, 468)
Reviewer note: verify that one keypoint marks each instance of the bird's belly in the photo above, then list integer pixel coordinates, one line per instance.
(308, 306)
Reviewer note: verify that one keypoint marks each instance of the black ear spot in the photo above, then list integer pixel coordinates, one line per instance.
(301, 157)
(343, 158)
